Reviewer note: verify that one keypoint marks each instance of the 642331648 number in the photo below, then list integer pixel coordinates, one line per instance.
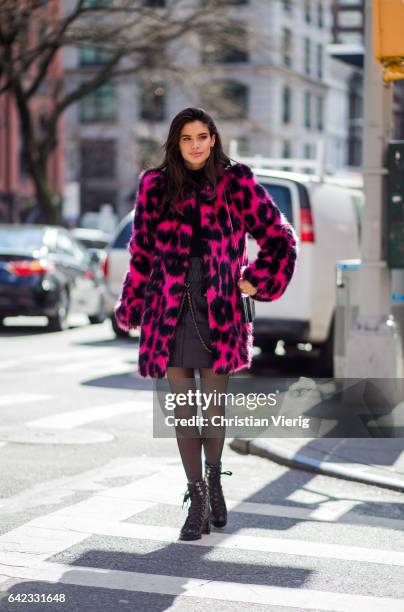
(36, 597)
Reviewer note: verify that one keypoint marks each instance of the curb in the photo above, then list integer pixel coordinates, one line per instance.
(358, 472)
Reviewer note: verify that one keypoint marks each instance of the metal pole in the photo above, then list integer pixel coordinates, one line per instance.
(374, 342)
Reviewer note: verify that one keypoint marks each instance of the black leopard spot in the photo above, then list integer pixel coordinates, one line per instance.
(215, 334)
(141, 263)
(166, 330)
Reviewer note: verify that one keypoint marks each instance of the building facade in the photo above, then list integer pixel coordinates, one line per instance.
(348, 29)
(17, 192)
(272, 87)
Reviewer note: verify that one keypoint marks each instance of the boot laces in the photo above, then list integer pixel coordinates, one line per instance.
(215, 470)
(193, 494)
(215, 486)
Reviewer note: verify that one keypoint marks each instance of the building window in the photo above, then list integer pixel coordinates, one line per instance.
(307, 109)
(92, 56)
(307, 55)
(99, 105)
(227, 2)
(98, 159)
(307, 151)
(154, 3)
(307, 11)
(355, 121)
(149, 152)
(320, 113)
(320, 14)
(92, 198)
(287, 5)
(228, 99)
(286, 104)
(320, 57)
(230, 51)
(153, 102)
(243, 145)
(96, 3)
(286, 149)
(287, 47)
(151, 57)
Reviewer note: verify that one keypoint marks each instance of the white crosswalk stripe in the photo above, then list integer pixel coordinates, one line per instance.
(25, 550)
(23, 398)
(204, 589)
(76, 418)
(252, 543)
(82, 361)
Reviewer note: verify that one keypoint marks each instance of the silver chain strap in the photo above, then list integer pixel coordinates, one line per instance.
(186, 292)
(196, 326)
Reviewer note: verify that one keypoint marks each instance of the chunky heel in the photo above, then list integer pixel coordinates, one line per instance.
(197, 521)
(218, 514)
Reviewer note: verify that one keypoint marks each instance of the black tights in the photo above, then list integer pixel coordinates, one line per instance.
(189, 439)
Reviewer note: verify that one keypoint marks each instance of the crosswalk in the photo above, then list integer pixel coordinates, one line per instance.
(145, 514)
(69, 420)
(84, 362)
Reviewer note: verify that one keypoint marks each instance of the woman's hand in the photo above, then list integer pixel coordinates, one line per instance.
(246, 287)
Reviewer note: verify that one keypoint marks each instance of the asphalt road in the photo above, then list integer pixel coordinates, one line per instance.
(90, 502)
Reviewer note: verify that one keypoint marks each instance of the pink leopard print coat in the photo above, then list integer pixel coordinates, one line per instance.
(160, 247)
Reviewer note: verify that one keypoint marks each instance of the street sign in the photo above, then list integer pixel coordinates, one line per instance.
(388, 37)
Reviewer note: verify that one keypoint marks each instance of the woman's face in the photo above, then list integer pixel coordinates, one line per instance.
(195, 144)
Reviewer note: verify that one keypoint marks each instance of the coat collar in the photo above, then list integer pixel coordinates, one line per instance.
(206, 190)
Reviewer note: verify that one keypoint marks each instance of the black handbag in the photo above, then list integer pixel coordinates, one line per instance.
(247, 303)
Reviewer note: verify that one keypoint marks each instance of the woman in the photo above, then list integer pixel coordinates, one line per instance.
(184, 286)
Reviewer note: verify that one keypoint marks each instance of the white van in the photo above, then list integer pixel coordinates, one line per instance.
(326, 216)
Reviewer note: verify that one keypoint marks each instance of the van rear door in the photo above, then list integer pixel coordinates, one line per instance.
(292, 310)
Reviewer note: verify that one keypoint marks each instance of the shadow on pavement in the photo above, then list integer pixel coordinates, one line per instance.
(131, 343)
(104, 575)
(130, 381)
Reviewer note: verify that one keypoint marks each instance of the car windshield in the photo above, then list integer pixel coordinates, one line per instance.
(17, 239)
(122, 239)
(92, 244)
(282, 198)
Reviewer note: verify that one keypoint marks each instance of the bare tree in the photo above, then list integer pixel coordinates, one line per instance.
(129, 35)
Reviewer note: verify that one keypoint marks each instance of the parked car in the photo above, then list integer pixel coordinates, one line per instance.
(326, 216)
(96, 242)
(45, 271)
(92, 239)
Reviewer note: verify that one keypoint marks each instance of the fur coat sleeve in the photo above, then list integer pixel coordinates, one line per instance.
(274, 265)
(129, 308)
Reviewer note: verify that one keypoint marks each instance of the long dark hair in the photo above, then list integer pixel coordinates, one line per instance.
(176, 177)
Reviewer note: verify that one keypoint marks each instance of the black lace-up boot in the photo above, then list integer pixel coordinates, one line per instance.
(218, 515)
(197, 521)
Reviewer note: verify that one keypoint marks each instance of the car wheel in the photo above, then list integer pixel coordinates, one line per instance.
(59, 322)
(119, 333)
(100, 316)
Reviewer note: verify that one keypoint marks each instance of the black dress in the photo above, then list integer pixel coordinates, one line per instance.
(191, 347)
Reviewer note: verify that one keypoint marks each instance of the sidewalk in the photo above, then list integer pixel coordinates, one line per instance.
(367, 455)
(340, 457)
